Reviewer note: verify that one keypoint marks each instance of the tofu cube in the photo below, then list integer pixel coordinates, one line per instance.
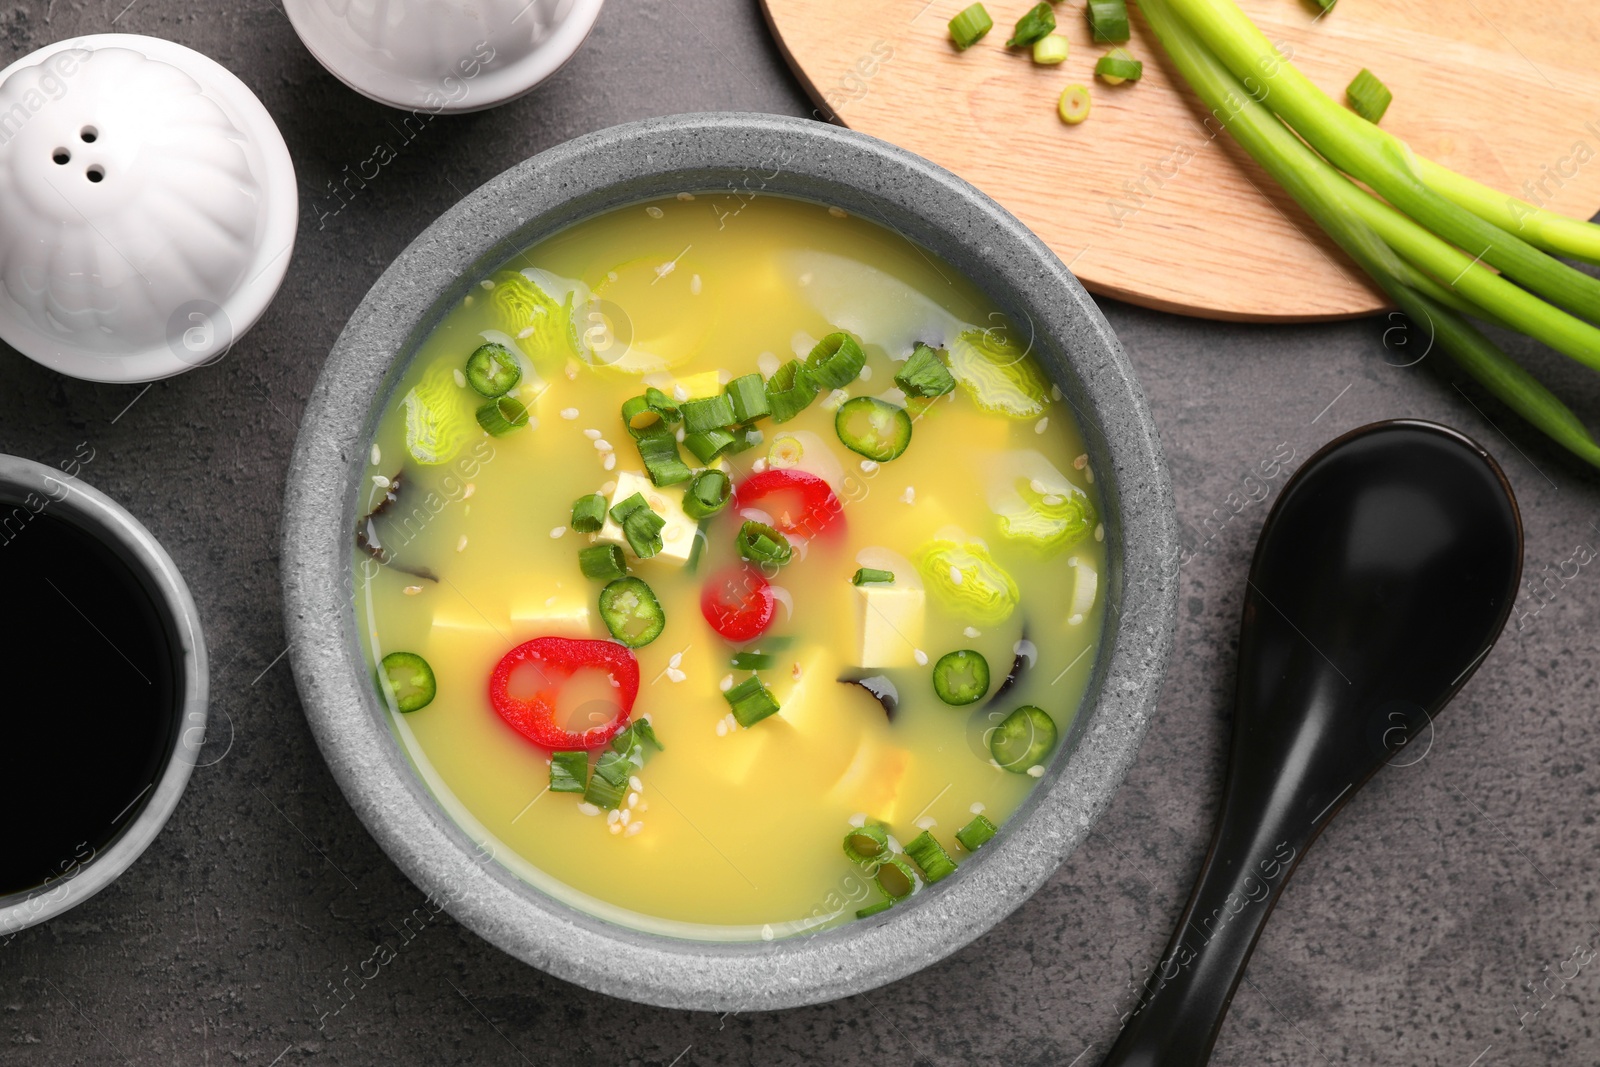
(889, 625)
(677, 537)
(696, 386)
(561, 615)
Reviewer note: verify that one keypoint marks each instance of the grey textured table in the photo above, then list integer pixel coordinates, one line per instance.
(1439, 921)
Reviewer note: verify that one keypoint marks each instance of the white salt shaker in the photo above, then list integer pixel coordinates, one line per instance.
(149, 207)
(442, 56)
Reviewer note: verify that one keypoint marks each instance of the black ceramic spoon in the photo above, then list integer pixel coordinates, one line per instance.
(1384, 573)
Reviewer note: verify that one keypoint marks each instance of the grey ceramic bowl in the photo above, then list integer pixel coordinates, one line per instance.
(746, 154)
(32, 488)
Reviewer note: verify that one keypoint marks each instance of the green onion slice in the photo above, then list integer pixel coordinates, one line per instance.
(492, 370)
(872, 575)
(753, 661)
(873, 428)
(1023, 739)
(1368, 96)
(638, 415)
(975, 833)
(637, 733)
(708, 413)
(748, 395)
(1117, 66)
(790, 390)
(658, 448)
(1036, 25)
(928, 854)
(707, 494)
(751, 702)
(1108, 20)
(1073, 107)
(709, 445)
(604, 794)
(589, 513)
(896, 878)
(760, 543)
(407, 680)
(602, 562)
(968, 27)
(569, 772)
(872, 909)
(866, 844)
(961, 677)
(502, 415)
(924, 374)
(617, 765)
(1051, 51)
(836, 360)
(642, 531)
(631, 612)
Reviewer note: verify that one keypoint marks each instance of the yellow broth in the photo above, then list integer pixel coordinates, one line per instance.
(736, 832)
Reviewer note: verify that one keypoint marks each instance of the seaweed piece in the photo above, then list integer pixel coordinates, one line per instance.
(367, 538)
(882, 689)
(1024, 654)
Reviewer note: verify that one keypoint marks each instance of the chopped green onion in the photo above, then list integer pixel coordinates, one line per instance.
(977, 832)
(866, 843)
(492, 370)
(753, 661)
(968, 27)
(928, 854)
(1023, 739)
(790, 391)
(642, 531)
(569, 772)
(662, 404)
(709, 445)
(872, 909)
(658, 448)
(637, 733)
(604, 794)
(639, 415)
(1073, 107)
(603, 562)
(617, 765)
(760, 543)
(708, 413)
(873, 428)
(1033, 26)
(1368, 96)
(961, 678)
(707, 494)
(750, 701)
(836, 360)
(924, 374)
(896, 878)
(1108, 20)
(631, 612)
(872, 574)
(748, 395)
(1117, 66)
(407, 680)
(623, 508)
(502, 415)
(1051, 51)
(589, 513)
(745, 436)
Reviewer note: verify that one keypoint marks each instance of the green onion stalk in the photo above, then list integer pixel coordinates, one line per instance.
(1428, 237)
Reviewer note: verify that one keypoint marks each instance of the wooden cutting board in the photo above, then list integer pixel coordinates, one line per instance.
(1140, 200)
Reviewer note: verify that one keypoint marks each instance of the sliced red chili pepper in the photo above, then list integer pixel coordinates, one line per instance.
(556, 660)
(818, 507)
(738, 603)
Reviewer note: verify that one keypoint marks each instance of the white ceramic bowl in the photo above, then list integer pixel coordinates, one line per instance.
(442, 56)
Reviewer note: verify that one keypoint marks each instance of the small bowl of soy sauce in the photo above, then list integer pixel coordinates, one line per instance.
(105, 709)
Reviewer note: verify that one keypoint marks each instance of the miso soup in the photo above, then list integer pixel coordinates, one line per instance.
(729, 575)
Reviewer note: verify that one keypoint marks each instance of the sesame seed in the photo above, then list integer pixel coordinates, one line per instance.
(675, 674)
(869, 465)
(613, 815)
(866, 374)
(666, 268)
(838, 212)
(858, 820)
(726, 683)
(616, 827)
(525, 333)
(973, 631)
(1055, 391)
(759, 465)
(1051, 500)
(676, 660)
(603, 445)
(977, 808)
(927, 822)
(1081, 462)
(569, 413)
(380, 481)
(685, 196)
(593, 434)
(461, 379)
(472, 487)
(1038, 487)
(910, 495)
(633, 798)
(633, 829)
(557, 532)
(680, 392)
(461, 544)
(487, 283)
(608, 488)
(636, 785)
(377, 456)
(588, 808)
(1039, 427)
(1036, 771)
(1088, 475)
(956, 577)
(1100, 531)
(610, 461)
(722, 728)
(694, 285)
(654, 212)
(920, 656)
(626, 815)
(412, 590)
(1074, 619)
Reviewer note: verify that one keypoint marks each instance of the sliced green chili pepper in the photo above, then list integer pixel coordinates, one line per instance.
(1023, 739)
(961, 677)
(408, 680)
(873, 428)
(631, 612)
(492, 370)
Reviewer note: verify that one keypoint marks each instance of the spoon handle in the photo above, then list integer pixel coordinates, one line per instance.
(1183, 999)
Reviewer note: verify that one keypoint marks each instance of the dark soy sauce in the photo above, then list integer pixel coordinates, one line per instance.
(87, 713)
